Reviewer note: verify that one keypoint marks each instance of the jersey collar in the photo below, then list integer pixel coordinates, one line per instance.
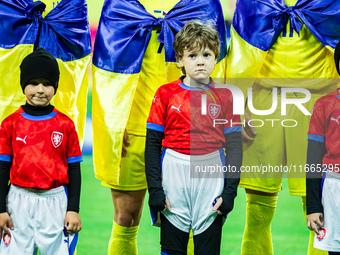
(205, 87)
(37, 118)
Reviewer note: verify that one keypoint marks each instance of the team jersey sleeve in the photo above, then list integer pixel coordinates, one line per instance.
(316, 130)
(315, 153)
(6, 152)
(157, 115)
(73, 153)
(233, 121)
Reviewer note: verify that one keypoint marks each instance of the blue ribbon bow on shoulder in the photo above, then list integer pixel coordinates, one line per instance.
(281, 19)
(260, 22)
(125, 29)
(64, 31)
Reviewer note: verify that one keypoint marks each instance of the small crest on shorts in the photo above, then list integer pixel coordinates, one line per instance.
(7, 239)
(214, 110)
(322, 233)
(56, 138)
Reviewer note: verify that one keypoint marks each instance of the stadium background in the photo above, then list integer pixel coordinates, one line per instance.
(290, 234)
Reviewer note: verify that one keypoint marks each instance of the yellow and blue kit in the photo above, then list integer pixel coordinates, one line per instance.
(60, 27)
(291, 39)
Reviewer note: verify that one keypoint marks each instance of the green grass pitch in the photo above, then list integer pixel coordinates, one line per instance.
(290, 234)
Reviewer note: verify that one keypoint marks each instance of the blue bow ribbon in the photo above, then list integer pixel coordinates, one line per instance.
(150, 24)
(260, 22)
(125, 29)
(281, 19)
(64, 31)
(34, 10)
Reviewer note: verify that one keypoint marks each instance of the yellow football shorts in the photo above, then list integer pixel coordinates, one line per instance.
(132, 167)
(280, 146)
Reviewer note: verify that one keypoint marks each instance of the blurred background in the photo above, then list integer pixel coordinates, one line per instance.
(290, 234)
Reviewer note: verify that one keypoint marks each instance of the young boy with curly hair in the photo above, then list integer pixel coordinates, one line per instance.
(180, 187)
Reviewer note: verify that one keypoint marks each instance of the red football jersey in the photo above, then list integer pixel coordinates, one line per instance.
(325, 127)
(176, 110)
(39, 147)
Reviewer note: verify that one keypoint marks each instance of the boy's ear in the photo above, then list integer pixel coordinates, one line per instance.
(180, 62)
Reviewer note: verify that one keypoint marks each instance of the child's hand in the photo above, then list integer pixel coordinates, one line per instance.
(5, 223)
(224, 204)
(167, 203)
(217, 205)
(251, 129)
(72, 222)
(158, 201)
(314, 220)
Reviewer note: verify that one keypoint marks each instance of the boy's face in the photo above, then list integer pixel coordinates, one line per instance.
(39, 92)
(198, 64)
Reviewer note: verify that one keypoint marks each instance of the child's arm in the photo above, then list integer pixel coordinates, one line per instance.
(315, 152)
(153, 146)
(5, 220)
(72, 218)
(233, 158)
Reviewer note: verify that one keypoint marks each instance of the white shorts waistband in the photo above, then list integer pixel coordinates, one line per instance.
(39, 193)
(193, 158)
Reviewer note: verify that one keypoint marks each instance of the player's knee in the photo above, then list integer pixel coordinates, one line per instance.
(125, 219)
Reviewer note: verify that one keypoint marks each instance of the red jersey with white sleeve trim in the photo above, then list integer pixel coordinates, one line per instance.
(40, 148)
(176, 110)
(325, 127)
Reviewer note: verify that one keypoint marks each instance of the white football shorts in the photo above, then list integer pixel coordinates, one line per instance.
(329, 238)
(38, 217)
(191, 183)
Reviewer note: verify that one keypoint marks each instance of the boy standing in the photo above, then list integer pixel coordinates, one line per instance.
(40, 155)
(178, 181)
(323, 156)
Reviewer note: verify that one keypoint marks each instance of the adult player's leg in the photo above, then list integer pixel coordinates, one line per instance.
(260, 211)
(128, 207)
(261, 182)
(128, 199)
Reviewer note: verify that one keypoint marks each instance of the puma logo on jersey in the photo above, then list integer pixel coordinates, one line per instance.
(176, 108)
(154, 99)
(22, 139)
(336, 120)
